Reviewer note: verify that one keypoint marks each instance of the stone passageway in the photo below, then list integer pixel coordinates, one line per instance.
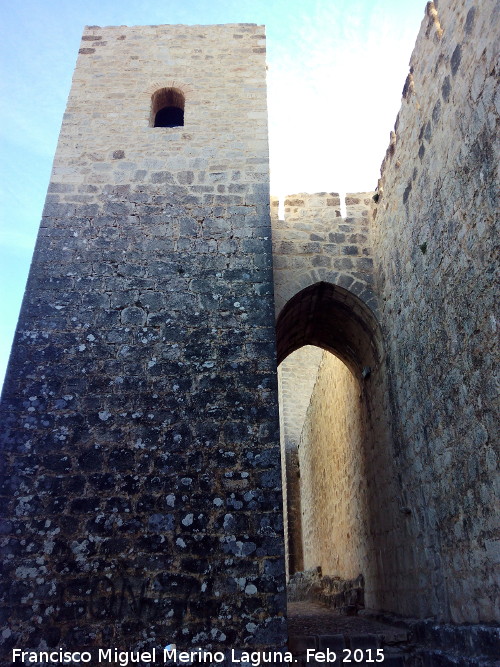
(365, 639)
(358, 639)
(142, 495)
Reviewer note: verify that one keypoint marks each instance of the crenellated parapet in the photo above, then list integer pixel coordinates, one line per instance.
(142, 489)
(316, 243)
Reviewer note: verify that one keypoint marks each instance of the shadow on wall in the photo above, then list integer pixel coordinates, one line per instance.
(346, 516)
(333, 319)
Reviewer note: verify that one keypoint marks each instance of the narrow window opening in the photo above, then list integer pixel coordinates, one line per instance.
(167, 108)
(169, 117)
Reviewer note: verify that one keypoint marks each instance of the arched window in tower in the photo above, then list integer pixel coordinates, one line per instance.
(167, 108)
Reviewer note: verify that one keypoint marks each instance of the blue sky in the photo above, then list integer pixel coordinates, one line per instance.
(342, 61)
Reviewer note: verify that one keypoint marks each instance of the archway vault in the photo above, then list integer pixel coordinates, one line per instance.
(334, 319)
(339, 482)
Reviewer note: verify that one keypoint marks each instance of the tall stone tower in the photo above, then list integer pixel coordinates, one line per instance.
(143, 494)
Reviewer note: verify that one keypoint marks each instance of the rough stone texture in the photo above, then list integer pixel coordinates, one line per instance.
(333, 478)
(410, 643)
(315, 243)
(435, 239)
(346, 419)
(346, 476)
(142, 461)
(346, 595)
(296, 378)
(142, 480)
(435, 244)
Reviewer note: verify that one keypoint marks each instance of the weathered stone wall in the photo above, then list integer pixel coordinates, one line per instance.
(333, 476)
(435, 240)
(297, 376)
(348, 500)
(315, 243)
(323, 295)
(435, 243)
(142, 459)
(296, 379)
(351, 523)
(142, 485)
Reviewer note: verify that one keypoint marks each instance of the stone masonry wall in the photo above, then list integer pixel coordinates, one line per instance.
(333, 476)
(435, 239)
(141, 472)
(142, 487)
(351, 519)
(296, 379)
(315, 243)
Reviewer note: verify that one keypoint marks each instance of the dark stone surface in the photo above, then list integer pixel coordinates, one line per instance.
(142, 493)
(456, 59)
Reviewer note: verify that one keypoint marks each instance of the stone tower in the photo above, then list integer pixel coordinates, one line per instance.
(143, 461)
(142, 476)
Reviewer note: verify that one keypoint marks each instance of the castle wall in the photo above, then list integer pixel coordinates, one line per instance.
(143, 496)
(142, 466)
(296, 379)
(297, 375)
(333, 476)
(352, 522)
(314, 242)
(435, 240)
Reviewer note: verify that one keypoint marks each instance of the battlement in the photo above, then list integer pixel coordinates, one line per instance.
(143, 475)
(315, 243)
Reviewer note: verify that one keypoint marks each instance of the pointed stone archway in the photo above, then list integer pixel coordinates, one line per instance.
(340, 480)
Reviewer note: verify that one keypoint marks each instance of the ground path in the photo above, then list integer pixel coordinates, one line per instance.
(361, 641)
(355, 640)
